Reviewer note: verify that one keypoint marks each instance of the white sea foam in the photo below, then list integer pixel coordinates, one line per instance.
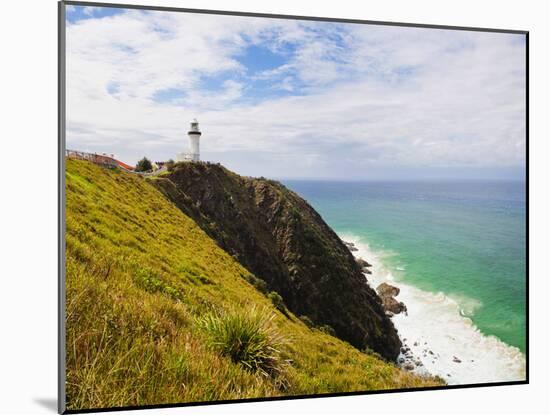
(439, 324)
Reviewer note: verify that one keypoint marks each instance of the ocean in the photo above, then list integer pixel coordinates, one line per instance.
(457, 251)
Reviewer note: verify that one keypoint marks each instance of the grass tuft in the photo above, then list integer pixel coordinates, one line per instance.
(249, 338)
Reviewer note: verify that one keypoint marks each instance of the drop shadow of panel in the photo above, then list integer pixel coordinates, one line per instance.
(48, 403)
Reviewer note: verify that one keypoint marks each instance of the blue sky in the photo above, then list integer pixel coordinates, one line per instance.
(285, 98)
(79, 13)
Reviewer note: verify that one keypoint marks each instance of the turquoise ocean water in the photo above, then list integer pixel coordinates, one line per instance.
(464, 239)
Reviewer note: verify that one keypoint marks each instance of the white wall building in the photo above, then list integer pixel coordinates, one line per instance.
(194, 135)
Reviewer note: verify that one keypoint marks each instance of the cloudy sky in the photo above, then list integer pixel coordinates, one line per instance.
(285, 98)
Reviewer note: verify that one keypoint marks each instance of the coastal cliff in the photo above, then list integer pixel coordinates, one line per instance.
(281, 239)
(150, 297)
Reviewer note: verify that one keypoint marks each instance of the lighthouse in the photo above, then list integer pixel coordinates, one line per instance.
(194, 135)
(194, 138)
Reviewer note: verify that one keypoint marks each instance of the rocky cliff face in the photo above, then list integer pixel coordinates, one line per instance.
(281, 239)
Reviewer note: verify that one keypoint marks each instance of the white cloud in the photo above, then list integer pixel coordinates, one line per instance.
(368, 97)
(90, 10)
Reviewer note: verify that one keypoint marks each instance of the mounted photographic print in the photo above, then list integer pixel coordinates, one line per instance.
(258, 206)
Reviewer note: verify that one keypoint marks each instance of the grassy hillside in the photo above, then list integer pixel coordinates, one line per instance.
(281, 239)
(154, 307)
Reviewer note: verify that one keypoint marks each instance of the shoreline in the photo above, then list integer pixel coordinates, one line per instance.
(438, 338)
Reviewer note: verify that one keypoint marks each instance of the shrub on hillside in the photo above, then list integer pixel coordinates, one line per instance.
(277, 300)
(256, 282)
(327, 330)
(144, 165)
(146, 279)
(371, 352)
(307, 321)
(248, 337)
(170, 165)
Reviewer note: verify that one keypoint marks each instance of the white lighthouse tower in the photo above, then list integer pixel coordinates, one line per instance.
(194, 135)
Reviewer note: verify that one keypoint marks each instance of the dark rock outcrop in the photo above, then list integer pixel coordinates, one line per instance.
(280, 238)
(362, 263)
(351, 246)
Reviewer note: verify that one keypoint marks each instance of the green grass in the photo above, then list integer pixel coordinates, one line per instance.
(145, 283)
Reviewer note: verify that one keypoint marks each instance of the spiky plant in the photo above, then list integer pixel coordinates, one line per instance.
(248, 337)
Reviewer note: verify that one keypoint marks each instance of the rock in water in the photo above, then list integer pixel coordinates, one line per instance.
(387, 293)
(386, 289)
(408, 366)
(281, 239)
(393, 306)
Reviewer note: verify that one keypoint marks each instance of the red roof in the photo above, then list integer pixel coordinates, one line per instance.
(124, 165)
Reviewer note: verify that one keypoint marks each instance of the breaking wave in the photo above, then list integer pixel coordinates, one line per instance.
(437, 329)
